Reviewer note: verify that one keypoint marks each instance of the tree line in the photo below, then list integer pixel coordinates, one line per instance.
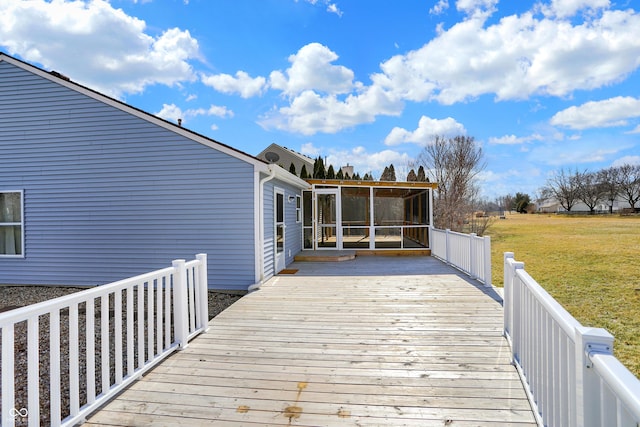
(594, 188)
(322, 172)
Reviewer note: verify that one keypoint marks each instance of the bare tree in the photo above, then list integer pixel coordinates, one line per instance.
(589, 189)
(610, 181)
(630, 183)
(505, 203)
(453, 163)
(562, 186)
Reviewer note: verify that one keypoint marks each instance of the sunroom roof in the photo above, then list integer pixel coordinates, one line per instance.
(362, 183)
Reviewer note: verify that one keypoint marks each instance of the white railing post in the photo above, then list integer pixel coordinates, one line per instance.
(181, 309)
(203, 295)
(8, 390)
(473, 271)
(588, 386)
(508, 294)
(487, 261)
(447, 246)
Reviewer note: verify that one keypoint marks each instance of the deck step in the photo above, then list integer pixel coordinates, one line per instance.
(325, 256)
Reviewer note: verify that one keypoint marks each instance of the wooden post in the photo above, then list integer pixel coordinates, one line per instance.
(181, 309)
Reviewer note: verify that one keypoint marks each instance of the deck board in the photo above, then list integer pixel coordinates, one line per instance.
(372, 341)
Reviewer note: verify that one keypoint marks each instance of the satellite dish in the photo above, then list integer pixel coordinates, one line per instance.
(271, 157)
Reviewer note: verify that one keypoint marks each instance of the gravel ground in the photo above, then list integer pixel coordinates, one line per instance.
(12, 297)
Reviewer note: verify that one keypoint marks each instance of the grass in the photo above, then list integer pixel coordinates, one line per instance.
(589, 264)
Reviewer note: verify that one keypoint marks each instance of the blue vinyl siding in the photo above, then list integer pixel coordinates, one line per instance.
(108, 195)
(293, 230)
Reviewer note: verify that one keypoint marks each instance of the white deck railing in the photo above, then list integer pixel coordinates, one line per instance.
(467, 252)
(571, 373)
(116, 332)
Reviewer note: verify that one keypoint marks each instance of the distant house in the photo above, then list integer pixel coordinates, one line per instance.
(552, 205)
(283, 156)
(93, 190)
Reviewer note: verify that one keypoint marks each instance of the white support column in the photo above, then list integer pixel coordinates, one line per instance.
(203, 295)
(372, 224)
(8, 395)
(473, 271)
(447, 246)
(588, 387)
(487, 261)
(181, 309)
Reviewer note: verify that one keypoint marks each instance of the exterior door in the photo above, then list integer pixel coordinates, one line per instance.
(279, 230)
(328, 233)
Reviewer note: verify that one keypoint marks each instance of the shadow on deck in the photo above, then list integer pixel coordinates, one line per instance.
(372, 341)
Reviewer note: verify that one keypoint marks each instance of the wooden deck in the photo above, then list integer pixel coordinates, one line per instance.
(374, 341)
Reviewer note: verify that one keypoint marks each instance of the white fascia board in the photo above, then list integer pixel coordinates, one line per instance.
(289, 178)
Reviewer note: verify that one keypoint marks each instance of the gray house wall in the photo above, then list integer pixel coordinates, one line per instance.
(108, 195)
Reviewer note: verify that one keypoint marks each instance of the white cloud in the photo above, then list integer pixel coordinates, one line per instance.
(366, 162)
(475, 7)
(362, 160)
(525, 178)
(173, 112)
(96, 45)
(626, 160)
(308, 149)
(310, 113)
(170, 112)
(517, 57)
(515, 140)
(312, 69)
(598, 114)
(333, 8)
(439, 7)
(323, 97)
(567, 8)
(218, 111)
(242, 84)
(572, 153)
(636, 130)
(427, 129)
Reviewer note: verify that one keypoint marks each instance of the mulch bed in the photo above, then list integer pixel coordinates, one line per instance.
(12, 297)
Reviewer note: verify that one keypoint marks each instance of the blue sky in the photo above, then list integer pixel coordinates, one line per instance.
(541, 85)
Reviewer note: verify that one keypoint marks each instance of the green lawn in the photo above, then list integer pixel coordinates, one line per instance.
(589, 264)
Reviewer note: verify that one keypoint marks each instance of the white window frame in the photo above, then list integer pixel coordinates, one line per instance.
(298, 209)
(13, 224)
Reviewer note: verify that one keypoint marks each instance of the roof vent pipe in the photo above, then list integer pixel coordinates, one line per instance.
(179, 122)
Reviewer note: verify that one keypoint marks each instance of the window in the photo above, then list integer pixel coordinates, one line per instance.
(298, 209)
(279, 222)
(11, 223)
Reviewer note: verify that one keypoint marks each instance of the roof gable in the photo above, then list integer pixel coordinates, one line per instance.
(189, 134)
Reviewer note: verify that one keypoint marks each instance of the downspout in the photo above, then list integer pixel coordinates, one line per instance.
(272, 174)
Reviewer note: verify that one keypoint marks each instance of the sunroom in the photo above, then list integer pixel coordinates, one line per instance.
(367, 215)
